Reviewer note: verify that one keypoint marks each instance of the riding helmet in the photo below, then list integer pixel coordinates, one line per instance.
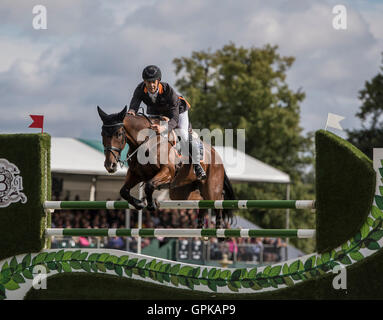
(151, 73)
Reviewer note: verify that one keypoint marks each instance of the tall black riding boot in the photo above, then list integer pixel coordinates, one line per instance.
(195, 156)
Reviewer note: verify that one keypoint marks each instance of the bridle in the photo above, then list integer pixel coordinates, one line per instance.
(111, 149)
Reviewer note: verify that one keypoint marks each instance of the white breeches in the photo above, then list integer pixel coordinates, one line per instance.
(183, 125)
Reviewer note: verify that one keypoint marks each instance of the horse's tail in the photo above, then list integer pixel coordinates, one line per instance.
(228, 195)
(228, 188)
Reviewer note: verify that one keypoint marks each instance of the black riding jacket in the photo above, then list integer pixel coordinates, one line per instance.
(167, 103)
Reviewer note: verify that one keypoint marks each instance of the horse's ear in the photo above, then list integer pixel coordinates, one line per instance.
(101, 113)
(122, 114)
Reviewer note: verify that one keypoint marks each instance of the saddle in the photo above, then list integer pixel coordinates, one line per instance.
(175, 142)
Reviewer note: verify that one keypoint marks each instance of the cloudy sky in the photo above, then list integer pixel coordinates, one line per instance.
(93, 53)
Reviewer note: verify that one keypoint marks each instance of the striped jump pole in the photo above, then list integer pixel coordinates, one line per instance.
(183, 233)
(186, 204)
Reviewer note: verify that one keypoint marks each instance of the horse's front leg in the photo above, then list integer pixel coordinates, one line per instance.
(164, 176)
(201, 218)
(131, 180)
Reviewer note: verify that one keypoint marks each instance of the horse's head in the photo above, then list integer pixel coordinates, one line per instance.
(113, 137)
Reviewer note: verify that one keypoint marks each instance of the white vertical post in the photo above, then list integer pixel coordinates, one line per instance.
(92, 197)
(141, 192)
(92, 193)
(204, 244)
(209, 217)
(127, 226)
(287, 221)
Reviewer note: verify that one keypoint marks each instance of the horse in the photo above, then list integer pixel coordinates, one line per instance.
(119, 129)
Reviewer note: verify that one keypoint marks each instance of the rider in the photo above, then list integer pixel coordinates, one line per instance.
(161, 99)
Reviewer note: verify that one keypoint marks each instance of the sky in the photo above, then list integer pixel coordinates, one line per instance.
(93, 52)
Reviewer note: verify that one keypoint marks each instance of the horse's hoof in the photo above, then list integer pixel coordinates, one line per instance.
(151, 207)
(139, 205)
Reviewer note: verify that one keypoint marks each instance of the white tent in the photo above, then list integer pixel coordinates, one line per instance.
(241, 167)
(69, 155)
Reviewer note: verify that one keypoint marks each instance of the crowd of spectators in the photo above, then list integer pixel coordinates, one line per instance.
(248, 249)
(239, 249)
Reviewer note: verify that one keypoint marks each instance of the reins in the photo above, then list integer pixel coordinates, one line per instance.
(119, 150)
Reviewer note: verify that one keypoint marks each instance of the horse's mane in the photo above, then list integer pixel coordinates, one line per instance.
(149, 119)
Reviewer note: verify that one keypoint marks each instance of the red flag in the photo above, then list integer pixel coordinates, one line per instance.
(38, 122)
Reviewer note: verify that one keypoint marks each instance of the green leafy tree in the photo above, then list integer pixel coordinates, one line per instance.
(370, 113)
(245, 88)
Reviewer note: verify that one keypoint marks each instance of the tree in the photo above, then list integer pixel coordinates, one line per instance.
(236, 87)
(370, 113)
(246, 88)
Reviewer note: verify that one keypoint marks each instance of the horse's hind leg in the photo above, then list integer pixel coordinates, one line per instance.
(212, 190)
(196, 195)
(218, 218)
(201, 218)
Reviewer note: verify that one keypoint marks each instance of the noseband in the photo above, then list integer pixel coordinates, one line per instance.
(109, 130)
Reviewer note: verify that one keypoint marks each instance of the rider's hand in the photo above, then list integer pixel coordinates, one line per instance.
(157, 128)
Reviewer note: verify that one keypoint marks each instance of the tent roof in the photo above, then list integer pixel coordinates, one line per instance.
(69, 155)
(241, 167)
(83, 156)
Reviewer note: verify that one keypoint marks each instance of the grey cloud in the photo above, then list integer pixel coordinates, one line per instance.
(98, 49)
(68, 18)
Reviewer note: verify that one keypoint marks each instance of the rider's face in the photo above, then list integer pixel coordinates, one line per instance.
(152, 85)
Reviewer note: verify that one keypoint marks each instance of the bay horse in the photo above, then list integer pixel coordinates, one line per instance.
(121, 128)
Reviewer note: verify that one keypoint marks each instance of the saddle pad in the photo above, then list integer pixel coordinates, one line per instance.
(201, 148)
